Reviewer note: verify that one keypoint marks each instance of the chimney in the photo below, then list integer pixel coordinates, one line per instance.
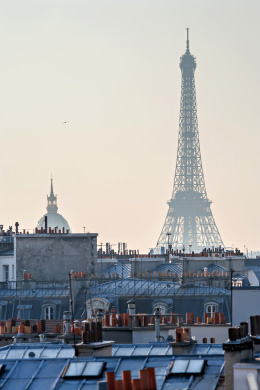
(254, 332)
(131, 309)
(66, 322)
(157, 317)
(92, 344)
(99, 315)
(238, 348)
(16, 227)
(183, 343)
(45, 224)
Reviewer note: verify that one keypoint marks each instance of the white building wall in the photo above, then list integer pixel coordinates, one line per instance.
(219, 332)
(243, 376)
(7, 261)
(245, 304)
(253, 280)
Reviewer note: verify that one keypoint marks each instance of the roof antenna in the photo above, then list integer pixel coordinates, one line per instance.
(187, 42)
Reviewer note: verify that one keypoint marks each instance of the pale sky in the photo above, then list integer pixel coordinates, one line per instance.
(111, 68)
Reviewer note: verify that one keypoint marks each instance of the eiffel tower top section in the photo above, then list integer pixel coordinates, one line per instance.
(188, 61)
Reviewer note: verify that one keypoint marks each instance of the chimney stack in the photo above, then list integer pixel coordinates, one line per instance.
(157, 317)
(255, 332)
(238, 348)
(131, 310)
(16, 227)
(183, 343)
(66, 322)
(45, 224)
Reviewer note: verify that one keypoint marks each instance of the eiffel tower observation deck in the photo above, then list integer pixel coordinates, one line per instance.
(189, 223)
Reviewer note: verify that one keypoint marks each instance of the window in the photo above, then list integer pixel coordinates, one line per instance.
(83, 369)
(237, 283)
(12, 272)
(49, 313)
(211, 309)
(24, 312)
(2, 312)
(5, 273)
(194, 366)
(50, 310)
(94, 303)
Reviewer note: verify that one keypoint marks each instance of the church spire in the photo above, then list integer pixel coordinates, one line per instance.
(52, 200)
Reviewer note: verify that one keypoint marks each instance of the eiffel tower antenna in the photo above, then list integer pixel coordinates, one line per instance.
(187, 42)
(189, 221)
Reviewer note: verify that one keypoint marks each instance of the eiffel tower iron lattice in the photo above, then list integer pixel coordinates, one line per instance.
(189, 224)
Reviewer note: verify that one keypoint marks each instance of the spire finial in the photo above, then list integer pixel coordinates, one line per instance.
(52, 193)
(187, 41)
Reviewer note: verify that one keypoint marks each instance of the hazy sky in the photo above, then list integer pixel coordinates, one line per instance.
(111, 68)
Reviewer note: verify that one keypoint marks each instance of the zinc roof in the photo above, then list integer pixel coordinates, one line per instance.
(147, 287)
(45, 372)
(163, 349)
(171, 267)
(123, 270)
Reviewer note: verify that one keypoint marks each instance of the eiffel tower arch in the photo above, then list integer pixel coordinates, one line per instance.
(189, 221)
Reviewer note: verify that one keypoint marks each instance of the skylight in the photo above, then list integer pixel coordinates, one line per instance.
(193, 366)
(83, 369)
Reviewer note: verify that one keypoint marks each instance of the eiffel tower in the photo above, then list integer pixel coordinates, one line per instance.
(189, 223)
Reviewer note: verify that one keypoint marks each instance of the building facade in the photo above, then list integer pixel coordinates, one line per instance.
(51, 256)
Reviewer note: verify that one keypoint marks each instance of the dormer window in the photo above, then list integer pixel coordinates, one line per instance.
(49, 313)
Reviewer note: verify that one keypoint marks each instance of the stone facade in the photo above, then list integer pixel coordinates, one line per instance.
(50, 257)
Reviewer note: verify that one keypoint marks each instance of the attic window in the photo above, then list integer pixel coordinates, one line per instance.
(194, 366)
(237, 283)
(211, 308)
(83, 369)
(49, 312)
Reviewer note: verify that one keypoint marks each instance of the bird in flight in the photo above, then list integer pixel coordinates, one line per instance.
(63, 123)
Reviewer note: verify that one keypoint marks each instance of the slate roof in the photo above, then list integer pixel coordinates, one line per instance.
(171, 267)
(137, 287)
(34, 293)
(252, 263)
(41, 350)
(120, 269)
(134, 286)
(125, 269)
(163, 349)
(214, 267)
(45, 372)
